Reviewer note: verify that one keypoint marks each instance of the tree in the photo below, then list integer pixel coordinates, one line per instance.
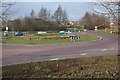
(86, 20)
(64, 15)
(111, 9)
(28, 23)
(6, 10)
(17, 25)
(49, 16)
(32, 14)
(43, 14)
(90, 20)
(58, 14)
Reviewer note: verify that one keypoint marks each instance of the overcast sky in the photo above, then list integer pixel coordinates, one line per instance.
(75, 10)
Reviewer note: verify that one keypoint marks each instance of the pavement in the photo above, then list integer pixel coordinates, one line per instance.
(16, 54)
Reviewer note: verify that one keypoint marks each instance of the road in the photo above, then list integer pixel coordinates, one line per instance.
(15, 54)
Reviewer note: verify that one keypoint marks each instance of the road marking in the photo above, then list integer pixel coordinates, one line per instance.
(98, 36)
(112, 48)
(83, 54)
(54, 59)
(101, 38)
(94, 40)
(104, 49)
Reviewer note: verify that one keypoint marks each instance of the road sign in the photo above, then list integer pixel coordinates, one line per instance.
(95, 28)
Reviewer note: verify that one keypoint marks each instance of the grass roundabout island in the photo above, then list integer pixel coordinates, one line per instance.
(51, 38)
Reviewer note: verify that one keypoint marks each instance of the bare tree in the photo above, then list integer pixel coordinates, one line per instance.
(49, 16)
(17, 24)
(43, 14)
(86, 20)
(6, 10)
(32, 14)
(64, 15)
(28, 23)
(90, 20)
(111, 9)
(58, 14)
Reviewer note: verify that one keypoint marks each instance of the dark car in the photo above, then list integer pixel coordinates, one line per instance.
(18, 34)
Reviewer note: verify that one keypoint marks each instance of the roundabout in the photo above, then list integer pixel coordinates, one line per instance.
(16, 54)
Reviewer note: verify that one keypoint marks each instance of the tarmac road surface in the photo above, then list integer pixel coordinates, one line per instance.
(16, 54)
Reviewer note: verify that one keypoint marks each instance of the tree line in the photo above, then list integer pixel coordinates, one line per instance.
(90, 20)
(44, 21)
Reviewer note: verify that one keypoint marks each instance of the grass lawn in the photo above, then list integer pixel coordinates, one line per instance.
(26, 40)
(89, 67)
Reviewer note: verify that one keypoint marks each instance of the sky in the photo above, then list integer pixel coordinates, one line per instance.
(60, 0)
(75, 10)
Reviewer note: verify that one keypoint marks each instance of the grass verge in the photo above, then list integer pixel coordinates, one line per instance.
(103, 32)
(90, 67)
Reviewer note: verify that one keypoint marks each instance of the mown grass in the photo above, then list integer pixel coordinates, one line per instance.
(26, 40)
(91, 67)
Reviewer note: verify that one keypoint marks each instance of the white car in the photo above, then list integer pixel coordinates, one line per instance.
(68, 32)
(41, 32)
(85, 30)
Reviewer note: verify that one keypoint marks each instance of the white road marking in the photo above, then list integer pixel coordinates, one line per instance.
(98, 36)
(104, 49)
(101, 38)
(83, 53)
(94, 40)
(112, 48)
(54, 59)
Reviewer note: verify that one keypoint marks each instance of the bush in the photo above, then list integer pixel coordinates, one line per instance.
(89, 27)
(3, 28)
(117, 31)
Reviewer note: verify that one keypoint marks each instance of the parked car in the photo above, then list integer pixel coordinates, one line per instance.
(62, 32)
(41, 32)
(68, 32)
(18, 34)
(85, 30)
